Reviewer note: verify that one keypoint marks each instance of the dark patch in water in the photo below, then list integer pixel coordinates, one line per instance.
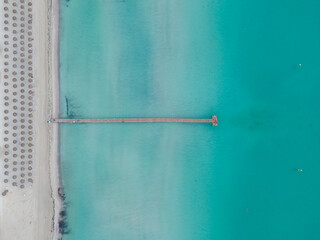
(71, 108)
(61, 194)
(67, 1)
(67, 106)
(63, 227)
(63, 223)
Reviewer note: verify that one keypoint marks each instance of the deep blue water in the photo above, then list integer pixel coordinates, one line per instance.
(237, 59)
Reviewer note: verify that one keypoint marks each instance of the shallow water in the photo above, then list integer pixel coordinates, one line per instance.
(183, 58)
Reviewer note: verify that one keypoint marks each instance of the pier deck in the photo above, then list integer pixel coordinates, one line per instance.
(213, 120)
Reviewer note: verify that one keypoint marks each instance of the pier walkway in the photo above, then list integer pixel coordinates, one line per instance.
(213, 120)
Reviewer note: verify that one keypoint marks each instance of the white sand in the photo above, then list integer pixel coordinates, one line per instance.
(32, 213)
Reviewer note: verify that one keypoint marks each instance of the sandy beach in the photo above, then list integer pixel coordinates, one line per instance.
(32, 213)
(54, 106)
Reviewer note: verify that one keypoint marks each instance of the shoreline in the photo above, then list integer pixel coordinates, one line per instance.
(55, 176)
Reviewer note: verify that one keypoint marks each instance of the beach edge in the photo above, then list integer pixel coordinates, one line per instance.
(55, 179)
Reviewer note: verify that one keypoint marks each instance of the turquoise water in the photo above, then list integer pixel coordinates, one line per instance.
(238, 59)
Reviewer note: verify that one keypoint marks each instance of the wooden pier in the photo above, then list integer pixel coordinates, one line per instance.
(213, 120)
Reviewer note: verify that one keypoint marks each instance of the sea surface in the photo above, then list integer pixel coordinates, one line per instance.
(254, 64)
